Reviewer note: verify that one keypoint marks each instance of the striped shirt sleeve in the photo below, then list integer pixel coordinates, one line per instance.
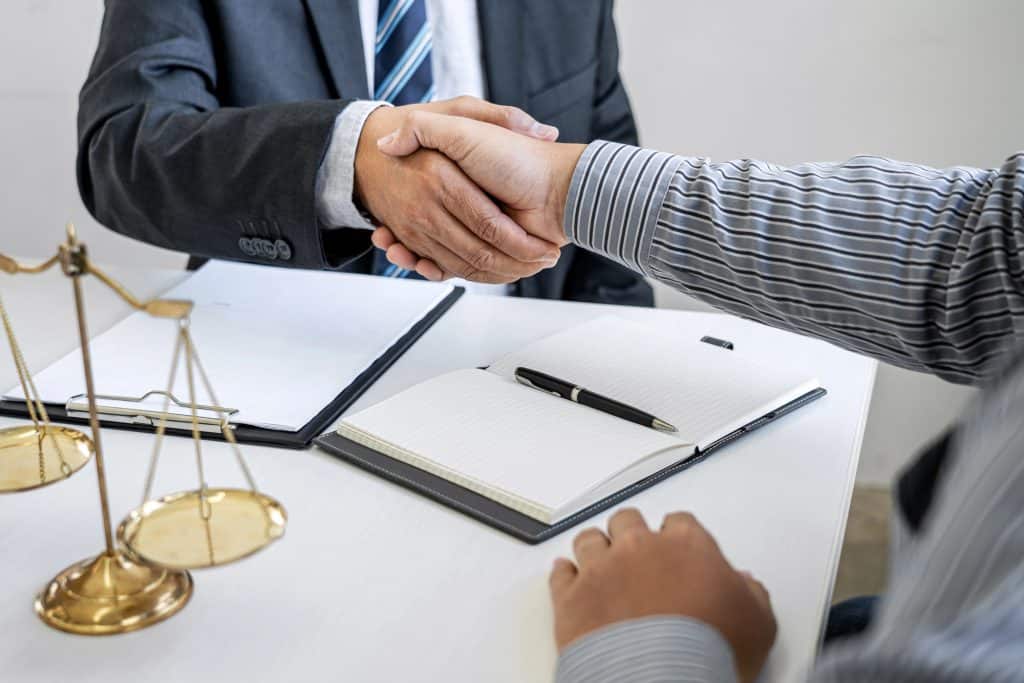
(919, 267)
(650, 650)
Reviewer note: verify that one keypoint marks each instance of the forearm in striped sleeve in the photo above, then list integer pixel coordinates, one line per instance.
(649, 650)
(919, 267)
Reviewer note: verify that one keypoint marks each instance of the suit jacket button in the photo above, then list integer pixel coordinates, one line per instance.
(247, 247)
(267, 249)
(284, 250)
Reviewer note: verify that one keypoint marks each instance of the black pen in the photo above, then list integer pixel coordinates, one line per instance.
(571, 392)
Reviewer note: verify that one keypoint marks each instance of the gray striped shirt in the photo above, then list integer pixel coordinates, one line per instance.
(919, 267)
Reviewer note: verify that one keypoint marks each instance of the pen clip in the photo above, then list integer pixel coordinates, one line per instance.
(526, 382)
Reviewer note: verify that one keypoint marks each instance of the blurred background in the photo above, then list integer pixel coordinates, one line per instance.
(930, 81)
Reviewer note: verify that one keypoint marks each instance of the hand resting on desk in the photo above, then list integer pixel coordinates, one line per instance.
(632, 572)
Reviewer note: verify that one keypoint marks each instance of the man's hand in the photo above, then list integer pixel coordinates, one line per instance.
(633, 572)
(529, 177)
(431, 206)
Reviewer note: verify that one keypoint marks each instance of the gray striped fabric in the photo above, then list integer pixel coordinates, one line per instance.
(915, 266)
(918, 267)
(658, 649)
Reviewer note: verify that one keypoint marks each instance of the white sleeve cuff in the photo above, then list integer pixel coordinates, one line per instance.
(649, 650)
(335, 182)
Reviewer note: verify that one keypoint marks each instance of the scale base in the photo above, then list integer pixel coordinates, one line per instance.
(112, 594)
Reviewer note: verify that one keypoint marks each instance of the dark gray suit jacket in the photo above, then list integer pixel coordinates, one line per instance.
(203, 122)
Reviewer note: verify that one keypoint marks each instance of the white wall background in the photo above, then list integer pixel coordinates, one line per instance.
(45, 50)
(933, 81)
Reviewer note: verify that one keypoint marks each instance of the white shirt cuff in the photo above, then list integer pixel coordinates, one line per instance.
(335, 181)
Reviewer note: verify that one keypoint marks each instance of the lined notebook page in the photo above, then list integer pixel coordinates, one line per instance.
(704, 390)
(528, 450)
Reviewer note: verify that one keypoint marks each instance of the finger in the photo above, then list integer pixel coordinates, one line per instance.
(474, 209)
(454, 265)
(383, 238)
(626, 522)
(685, 524)
(680, 522)
(590, 545)
(562, 575)
(401, 256)
(512, 118)
(475, 256)
(758, 589)
(450, 135)
(403, 245)
(429, 270)
(415, 243)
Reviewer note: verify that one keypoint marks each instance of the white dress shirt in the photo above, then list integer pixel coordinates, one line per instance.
(457, 68)
(455, 46)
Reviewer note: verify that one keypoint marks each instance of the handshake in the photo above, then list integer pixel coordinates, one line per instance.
(479, 191)
(464, 188)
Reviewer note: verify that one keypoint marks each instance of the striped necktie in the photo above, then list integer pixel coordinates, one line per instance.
(402, 73)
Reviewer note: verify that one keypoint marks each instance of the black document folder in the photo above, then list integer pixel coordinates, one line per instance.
(505, 519)
(73, 409)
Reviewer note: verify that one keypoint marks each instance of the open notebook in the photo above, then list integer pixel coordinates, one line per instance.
(549, 458)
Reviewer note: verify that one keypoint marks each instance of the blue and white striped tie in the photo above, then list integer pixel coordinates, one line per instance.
(402, 72)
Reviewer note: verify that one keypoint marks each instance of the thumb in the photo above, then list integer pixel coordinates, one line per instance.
(446, 134)
(512, 118)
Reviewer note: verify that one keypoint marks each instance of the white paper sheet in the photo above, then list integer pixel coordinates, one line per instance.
(278, 345)
(504, 440)
(704, 390)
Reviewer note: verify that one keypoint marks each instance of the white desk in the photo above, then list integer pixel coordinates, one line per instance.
(374, 583)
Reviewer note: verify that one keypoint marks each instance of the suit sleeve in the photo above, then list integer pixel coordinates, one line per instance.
(613, 115)
(161, 161)
(592, 277)
(919, 267)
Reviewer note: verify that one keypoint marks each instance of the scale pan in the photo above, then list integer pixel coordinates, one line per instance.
(171, 531)
(64, 452)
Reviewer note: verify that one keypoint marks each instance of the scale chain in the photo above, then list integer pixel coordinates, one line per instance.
(204, 504)
(161, 427)
(225, 426)
(32, 401)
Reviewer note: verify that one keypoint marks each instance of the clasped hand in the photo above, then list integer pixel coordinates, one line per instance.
(632, 572)
(464, 188)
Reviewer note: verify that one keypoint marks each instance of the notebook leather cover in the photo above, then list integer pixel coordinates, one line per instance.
(505, 519)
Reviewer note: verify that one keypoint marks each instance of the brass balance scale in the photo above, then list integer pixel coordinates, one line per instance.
(143, 579)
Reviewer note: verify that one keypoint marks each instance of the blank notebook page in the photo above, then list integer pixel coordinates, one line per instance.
(704, 390)
(480, 427)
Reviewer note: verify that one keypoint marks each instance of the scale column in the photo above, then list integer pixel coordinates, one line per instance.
(73, 268)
